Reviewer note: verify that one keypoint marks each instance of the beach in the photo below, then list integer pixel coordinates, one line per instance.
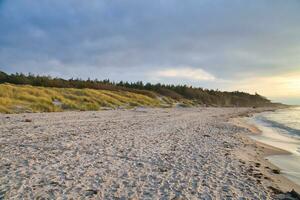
(142, 153)
(279, 129)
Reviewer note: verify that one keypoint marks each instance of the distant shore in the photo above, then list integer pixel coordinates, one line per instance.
(138, 153)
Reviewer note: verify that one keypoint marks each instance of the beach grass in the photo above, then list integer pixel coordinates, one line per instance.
(26, 98)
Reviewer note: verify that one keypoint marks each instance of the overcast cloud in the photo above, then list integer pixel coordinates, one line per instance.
(214, 44)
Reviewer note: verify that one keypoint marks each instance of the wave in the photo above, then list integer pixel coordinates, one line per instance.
(283, 127)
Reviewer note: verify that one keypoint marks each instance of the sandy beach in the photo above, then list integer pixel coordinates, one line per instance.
(280, 148)
(177, 153)
(258, 152)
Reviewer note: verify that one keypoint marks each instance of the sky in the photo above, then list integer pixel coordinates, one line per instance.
(251, 46)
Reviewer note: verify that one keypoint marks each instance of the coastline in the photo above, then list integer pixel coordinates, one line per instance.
(255, 154)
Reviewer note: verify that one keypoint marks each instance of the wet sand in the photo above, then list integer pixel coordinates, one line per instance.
(266, 154)
(178, 153)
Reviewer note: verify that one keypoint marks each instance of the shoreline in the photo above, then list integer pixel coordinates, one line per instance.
(269, 150)
(254, 152)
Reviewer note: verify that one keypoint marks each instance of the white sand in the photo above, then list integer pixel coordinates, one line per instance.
(184, 153)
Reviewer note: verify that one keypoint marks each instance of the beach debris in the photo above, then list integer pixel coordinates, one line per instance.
(162, 169)
(241, 161)
(54, 183)
(294, 194)
(275, 190)
(27, 120)
(257, 164)
(91, 192)
(276, 171)
(258, 175)
(140, 164)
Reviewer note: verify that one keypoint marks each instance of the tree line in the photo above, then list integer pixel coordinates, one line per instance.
(177, 92)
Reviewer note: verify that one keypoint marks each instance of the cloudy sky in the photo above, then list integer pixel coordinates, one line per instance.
(252, 46)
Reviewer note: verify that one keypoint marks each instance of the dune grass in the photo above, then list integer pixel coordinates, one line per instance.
(26, 98)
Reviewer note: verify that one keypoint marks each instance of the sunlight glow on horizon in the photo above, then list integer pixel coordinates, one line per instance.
(275, 87)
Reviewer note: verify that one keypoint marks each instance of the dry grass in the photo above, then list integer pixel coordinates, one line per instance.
(25, 98)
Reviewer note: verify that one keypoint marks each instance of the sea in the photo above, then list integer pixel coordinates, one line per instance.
(281, 129)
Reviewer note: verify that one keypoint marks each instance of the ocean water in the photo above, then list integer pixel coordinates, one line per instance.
(281, 129)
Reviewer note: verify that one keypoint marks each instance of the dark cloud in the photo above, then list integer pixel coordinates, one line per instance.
(130, 39)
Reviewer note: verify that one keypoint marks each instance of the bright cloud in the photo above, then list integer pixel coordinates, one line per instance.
(185, 73)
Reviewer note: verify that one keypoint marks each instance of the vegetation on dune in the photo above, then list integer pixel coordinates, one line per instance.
(32, 93)
(26, 98)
